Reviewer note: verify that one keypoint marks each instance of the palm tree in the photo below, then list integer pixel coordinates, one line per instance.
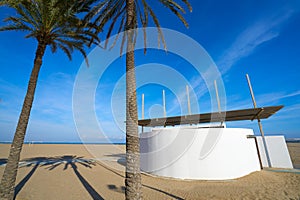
(52, 23)
(130, 13)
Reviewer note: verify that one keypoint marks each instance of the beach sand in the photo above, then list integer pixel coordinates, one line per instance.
(97, 172)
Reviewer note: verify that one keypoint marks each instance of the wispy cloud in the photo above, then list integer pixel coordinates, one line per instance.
(268, 98)
(51, 111)
(260, 32)
(198, 88)
(262, 100)
(54, 98)
(291, 94)
(52, 116)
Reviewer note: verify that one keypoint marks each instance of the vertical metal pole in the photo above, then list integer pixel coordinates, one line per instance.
(257, 149)
(188, 99)
(251, 91)
(217, 95)
(143, 106)
(143, 110)
(164, 103)
(259, 122)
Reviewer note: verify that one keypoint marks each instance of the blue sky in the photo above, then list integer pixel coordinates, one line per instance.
(260, 38)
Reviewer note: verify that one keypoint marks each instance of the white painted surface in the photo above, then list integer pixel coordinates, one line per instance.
(278, 151)
(199, 153)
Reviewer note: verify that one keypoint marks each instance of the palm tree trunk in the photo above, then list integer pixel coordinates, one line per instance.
(133, 175)
(8, 180)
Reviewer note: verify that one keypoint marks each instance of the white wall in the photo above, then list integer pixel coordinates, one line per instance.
(193, 153)
(278, 152)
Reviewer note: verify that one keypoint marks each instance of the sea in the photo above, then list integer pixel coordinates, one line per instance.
(47, 142)
(288, 140)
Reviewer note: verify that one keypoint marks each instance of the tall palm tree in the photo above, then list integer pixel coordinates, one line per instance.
(129, 14)
(52, 23)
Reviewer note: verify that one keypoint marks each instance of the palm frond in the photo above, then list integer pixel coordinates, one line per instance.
(160, 34)
(121, 27)
(53, 22)
(174, 9)
(83, 53)
(95, 10)
(15, 27)
(65, 49)
(114, 20)
(113, 12)
(53, 47)
(188, 5)
(110, 11)
(9, 3)
(123, 41)
(174, 4)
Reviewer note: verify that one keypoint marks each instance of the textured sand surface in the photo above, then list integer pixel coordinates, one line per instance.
(294, 150)
(69, 173)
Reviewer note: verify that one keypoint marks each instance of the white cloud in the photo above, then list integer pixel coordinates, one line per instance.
(262, 100)
(260, 32)
(245, 44)
(292, 110)
(53, 99)
(51, 117)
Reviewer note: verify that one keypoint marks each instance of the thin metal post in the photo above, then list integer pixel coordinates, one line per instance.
(257, 149)
(259, 122)
(143, 106)
(164, 103)
(251, 91)
(217, 95)
(188, 99)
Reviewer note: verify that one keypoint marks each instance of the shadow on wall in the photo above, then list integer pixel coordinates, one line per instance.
(121, 158)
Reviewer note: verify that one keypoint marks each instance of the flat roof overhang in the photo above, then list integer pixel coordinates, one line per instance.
(232, 115)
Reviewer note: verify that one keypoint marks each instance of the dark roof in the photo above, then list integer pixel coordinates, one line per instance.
(232, 115)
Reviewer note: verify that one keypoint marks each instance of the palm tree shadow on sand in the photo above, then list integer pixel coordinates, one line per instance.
(121, 160)
(52, 162)
(70, 160)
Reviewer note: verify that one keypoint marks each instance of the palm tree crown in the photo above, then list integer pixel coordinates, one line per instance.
(115, 13)
(51, 22)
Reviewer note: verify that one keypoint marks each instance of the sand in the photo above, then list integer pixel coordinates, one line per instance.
(294, 150)
(98, 173)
